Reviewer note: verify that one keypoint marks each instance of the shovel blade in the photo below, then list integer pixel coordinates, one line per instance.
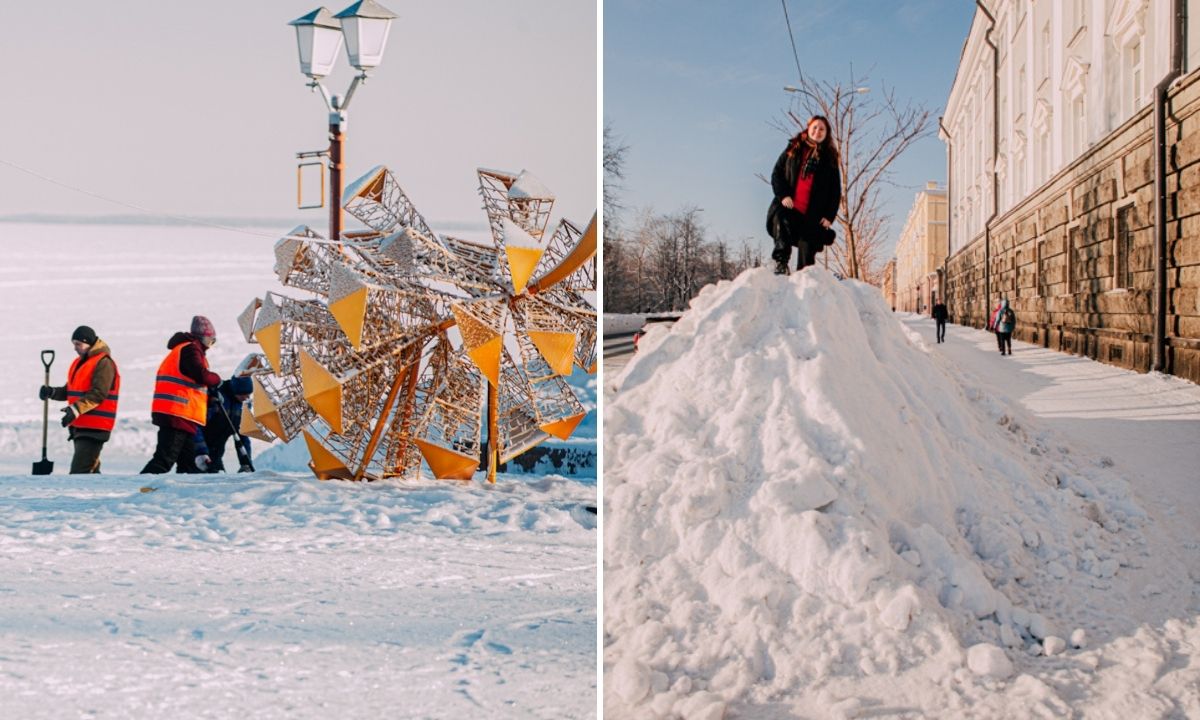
(43, 467)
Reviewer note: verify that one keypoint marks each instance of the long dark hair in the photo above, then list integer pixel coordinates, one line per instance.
(827, 149)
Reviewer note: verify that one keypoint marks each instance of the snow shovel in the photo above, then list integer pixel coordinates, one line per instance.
(44, 466)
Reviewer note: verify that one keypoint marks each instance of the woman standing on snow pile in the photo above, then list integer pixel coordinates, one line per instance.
(180, 404)
(808, 192)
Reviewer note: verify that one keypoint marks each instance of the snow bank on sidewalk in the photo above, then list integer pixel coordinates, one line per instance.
(804, 505)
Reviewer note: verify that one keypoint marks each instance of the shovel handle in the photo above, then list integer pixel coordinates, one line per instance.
(47, 361)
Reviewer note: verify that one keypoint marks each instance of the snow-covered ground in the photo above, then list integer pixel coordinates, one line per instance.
(814, 511)
(263, 595)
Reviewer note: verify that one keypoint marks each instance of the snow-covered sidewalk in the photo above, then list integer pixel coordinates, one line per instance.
(1146, 425)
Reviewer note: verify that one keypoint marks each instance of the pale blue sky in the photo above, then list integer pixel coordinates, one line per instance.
(199, 107)
(691, 88)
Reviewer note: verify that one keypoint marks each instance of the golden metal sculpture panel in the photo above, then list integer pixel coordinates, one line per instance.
(562, 429)
(448, 464)
(265, 413)
(350, 313)
(558, 348)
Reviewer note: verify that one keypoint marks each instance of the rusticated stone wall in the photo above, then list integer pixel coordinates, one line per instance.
(1076, 257)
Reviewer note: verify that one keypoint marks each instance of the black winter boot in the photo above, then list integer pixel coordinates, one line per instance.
(781, 267)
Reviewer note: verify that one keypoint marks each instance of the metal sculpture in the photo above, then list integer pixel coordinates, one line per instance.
(414, 342)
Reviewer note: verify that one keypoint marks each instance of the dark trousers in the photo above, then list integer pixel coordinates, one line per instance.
(215, 436)
(87, 456)
(794, 229)
(173, 446)
(941, 330)
(1004, 340)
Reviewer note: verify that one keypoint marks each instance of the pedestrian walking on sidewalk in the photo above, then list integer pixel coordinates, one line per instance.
(1006, 322)
(940, 315)
(180, 405)
(92, 390)
(808, 193)
(991, 321)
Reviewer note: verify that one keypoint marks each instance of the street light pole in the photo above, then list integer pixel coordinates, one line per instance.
(364, 26)
(337, 142)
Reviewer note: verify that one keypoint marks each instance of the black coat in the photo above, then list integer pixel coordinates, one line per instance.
(824, 199)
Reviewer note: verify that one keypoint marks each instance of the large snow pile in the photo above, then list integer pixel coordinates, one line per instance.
(805, 506)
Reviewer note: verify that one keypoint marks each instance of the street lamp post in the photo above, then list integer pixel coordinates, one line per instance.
(364, 27)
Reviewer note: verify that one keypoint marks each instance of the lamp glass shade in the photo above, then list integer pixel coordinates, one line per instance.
(366, 39)
(319, 48)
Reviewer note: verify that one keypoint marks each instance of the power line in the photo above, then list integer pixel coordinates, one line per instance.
(792, 37)
(139, 208)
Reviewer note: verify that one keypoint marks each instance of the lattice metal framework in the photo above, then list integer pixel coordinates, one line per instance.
(411, 335)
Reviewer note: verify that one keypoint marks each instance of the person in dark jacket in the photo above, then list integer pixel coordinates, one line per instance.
(180, 404)
(940, 315)
(1006, 322)
(808, 193)
(92, 390)
(224, 417)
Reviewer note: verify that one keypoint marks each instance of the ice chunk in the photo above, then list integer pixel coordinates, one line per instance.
(988, 660)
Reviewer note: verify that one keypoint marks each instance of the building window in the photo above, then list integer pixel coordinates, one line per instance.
(1069, 260)
(1123, 277)
(1045, 51)
(1078, 126)
(1019, 174)
(1134, 83)
(1040, 266)
(1044, 156)
(1019, 99)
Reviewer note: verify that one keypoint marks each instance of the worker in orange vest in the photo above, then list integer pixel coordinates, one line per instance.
(180, 404)
(92, 390)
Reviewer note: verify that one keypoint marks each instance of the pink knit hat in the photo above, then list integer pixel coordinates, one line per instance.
(203, 328)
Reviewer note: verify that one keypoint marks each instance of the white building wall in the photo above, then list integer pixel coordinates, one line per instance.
(1192, 61)
(1088, 63)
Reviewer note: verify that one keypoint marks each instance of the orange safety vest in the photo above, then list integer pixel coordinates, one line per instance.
(79, 381)
(177, 394)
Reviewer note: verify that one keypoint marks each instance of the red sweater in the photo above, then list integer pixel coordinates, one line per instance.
(803, 183)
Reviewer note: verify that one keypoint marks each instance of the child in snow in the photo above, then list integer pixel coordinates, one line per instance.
(224, 418)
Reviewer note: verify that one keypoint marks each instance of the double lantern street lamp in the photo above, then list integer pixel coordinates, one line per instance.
(364, 28)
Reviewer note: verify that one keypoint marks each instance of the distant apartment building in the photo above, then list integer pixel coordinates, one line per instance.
(1054, 166)
(921, 250)
(888, 283)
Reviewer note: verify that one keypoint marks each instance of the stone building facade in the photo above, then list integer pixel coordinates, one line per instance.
(921, 250)
(888, 283)
(1056, 211)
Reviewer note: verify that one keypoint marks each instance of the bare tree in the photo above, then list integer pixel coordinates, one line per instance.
(872, 130)
(614, 172)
